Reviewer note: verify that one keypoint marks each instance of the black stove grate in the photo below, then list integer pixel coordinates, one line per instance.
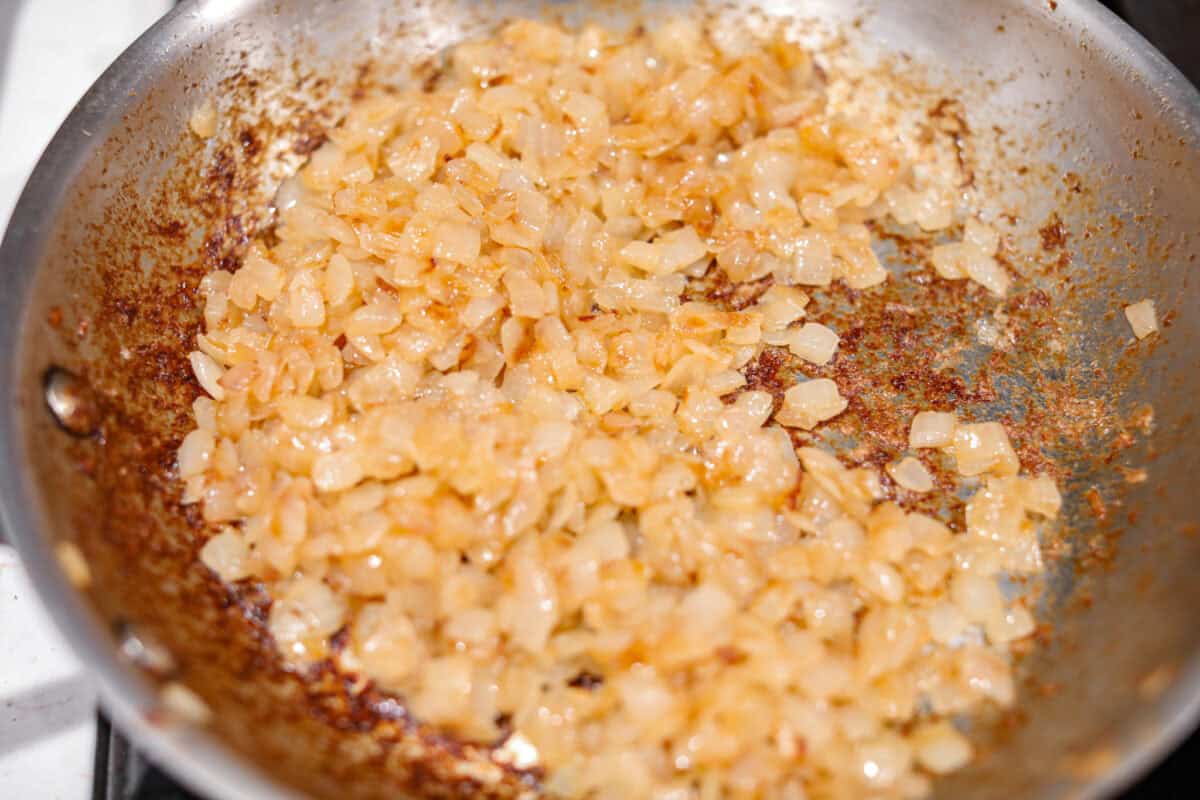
(121, 773)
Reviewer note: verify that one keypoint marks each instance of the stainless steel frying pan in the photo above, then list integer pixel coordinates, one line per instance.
(1074, 119)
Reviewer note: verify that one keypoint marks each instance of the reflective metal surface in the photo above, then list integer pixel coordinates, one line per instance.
(70, 400)
(126, 210)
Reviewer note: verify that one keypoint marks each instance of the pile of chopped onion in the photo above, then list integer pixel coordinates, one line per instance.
(469, 413)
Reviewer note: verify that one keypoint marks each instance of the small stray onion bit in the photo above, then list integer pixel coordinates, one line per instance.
(203, 121)
(813, 342)
(911, 474)
(809, 403)
(974, 257)
(184, 705)
(940, 748)
(984, 448)
(487, 418)
(1142, 318)
(932, 429)
(73, 564)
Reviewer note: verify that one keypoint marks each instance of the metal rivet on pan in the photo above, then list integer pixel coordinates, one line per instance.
(145, 652)
(71, 401)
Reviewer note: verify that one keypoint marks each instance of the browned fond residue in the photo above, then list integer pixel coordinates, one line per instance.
(1096, 503)
(1053, 233)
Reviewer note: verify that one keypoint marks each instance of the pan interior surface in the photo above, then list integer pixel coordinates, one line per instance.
(1076, 131)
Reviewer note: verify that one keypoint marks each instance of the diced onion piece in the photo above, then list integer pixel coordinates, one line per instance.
(226, 554)
(859, 265)
(1009, 626)
(415, 160)
(334, 472)
(669, 253)
(909, 473)
(678, 38)
(983, 237)
(809, 403)
(708, 606)
(974, 258)
(882, 580)
(987, 673)
(946, 623)
(771, 175)
(813, 342)
(1041, 496)
(203, 121)
(305, 412)
(339, 279)
(781, 306)
(457, 242)
(480, 309)
(73, 564)
(680, 248)
(184, 704)
(306, 609)
(602, 394)
(984, 447)
(488, 159)
(977, 596)
(643, 255)
(1142, 318)
(987, 272)
(883, 760)
(726, 382)
(306, 307)
(257, 278)
(932, 208)
(939, 748)
(525, 296)
(947, 260)
(586, 111)
(386, 643)
(195, 453)
(932, 429)
(208, 373)
(535, 600)
(813, 261)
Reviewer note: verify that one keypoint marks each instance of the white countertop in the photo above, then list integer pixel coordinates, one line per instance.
(51, 51)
